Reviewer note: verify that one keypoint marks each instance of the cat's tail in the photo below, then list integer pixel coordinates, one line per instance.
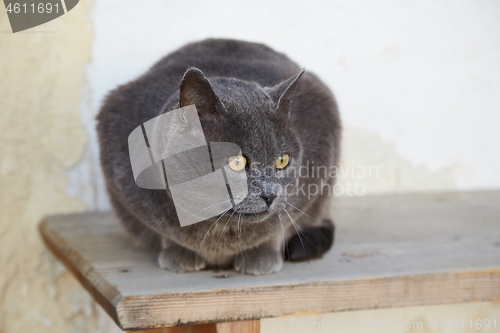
(312, 243)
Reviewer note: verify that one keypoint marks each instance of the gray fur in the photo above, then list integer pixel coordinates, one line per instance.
(247, 94)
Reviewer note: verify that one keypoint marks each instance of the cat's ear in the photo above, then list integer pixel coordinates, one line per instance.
(283, 92)
(196, 89)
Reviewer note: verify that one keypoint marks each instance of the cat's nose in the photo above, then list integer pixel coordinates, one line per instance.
(269, 198)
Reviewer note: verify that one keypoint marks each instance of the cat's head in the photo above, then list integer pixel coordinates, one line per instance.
(258, 120)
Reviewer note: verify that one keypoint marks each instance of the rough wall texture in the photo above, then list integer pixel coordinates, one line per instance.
(370, 165)
(42, 75)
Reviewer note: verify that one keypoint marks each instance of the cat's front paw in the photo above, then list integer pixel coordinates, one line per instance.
(257, 261)
(180, 260)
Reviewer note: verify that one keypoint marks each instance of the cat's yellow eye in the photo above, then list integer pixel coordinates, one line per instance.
(237, 162)
(282, 161)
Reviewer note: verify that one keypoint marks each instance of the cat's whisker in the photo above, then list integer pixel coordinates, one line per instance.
(238, 231)
(283, 232)
(296, 229)
(208, 231)
(301, 231)
(217, 204)
(221, 234)
(302, 212)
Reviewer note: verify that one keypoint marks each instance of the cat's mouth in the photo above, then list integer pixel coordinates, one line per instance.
(253, 216)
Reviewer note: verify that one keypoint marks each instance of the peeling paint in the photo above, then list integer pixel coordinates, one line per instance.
(390, 172)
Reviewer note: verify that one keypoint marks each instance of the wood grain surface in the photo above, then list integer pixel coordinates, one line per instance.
(390, 251)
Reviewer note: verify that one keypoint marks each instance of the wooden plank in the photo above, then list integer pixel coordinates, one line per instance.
(206, 328)
(247, 326)
(390, 251)
(100, 289)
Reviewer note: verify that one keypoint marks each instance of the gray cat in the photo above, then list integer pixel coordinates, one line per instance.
(282, 118)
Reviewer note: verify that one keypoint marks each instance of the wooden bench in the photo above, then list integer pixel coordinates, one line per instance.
(390, 251)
